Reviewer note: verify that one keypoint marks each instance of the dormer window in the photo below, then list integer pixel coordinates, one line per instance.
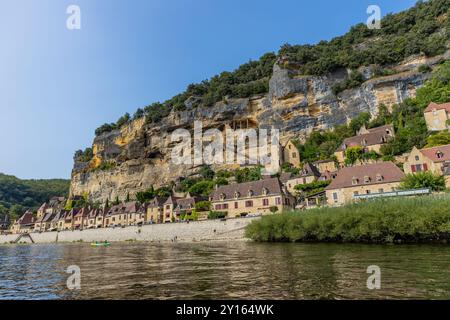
(237, 194)
(250, 193)
(222, 196)
(366, 179)
(379, 178)
(364, 142)
(439, 154)
(354, 181)
(265, 191)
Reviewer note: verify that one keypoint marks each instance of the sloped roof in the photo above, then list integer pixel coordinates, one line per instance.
(48, 217)
(375, 136)
(437, 154)
(388, 171)
(26, 219)
(272, 185)
(157, 202)
(432, 106)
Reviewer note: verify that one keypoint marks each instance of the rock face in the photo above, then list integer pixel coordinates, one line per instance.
(139, 154)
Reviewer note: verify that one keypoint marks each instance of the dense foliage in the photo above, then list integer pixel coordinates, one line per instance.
(421, 29)
(16, 195)
(423, 180)
(418, 219)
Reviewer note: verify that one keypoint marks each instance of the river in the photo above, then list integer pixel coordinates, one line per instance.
(216, 270)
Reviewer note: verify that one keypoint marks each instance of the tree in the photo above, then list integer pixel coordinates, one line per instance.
(423, 180)
(439, 139)
(202, 188)
(207, 173)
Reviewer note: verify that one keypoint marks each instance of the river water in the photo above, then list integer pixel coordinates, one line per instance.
(234, 270)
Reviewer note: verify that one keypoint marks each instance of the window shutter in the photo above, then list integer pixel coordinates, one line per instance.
(425, 167)
(413, 168)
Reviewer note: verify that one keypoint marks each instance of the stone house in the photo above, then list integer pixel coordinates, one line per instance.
(437, 116)
(79, 217)
(256, 197)
(368, 139)
(428, 159)
(54, 223)
(447, 177)
(124, 214)
(174, 207)
(308, 174)
(46, 222)
(325, 165)
(291, 154)
(24, 224)
(155, 210)
(366, 179)
(100, 218)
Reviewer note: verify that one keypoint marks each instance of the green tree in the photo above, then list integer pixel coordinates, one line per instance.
(423, 180)
(439, 139)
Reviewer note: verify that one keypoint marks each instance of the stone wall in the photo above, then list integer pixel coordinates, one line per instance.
(209, 230)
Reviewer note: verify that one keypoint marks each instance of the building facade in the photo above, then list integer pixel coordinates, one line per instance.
(257, 197)
(366, 179)
(437, 116)
(428, 159)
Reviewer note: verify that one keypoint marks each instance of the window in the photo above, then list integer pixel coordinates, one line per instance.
(354, 181)
(265, 202)
(236, 205)
(294, 155)
(222, 196)
(355, 193)
(168, 207)
(439, 154)
(278, 201)
(379, 178)
(249, 203)
(368, 192)
(237, 194)
(225, 206)
(250, 193)
(335, 196)
(417, 158)
(381, 190)
(286, 201)
(265, 191)
(366, 179)
(218, 206)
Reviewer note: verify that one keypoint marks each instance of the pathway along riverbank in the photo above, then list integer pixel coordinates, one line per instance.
(209, 230)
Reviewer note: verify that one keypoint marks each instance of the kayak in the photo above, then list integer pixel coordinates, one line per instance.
(100, 244)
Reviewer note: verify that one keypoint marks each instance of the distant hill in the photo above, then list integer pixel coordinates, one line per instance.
(17, 195)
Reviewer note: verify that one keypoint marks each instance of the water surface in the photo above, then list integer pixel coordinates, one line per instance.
(234, 270)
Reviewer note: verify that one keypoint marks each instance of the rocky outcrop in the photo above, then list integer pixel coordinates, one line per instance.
(138, 155)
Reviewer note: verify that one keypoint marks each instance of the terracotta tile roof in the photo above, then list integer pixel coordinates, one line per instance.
(127, 207)
(387, 171)
(437, 154)
(432, 106)
(375, 136)
(273, 187)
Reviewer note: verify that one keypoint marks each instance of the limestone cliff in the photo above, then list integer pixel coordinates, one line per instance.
(138, 155)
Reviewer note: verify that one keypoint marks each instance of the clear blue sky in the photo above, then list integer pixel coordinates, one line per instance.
(57, 86)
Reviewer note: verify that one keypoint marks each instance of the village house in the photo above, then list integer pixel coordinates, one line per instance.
(291, 154)
(328, 176)
(79, 217)
(54, 223)
(24, 224)
(447, 176)
(308, 174)
(45, 223)
(368, 139)
(437, 116)
(155, 210)
(428, 159)
(100, 218)
(325, 166)
(366, 179)
(68, 219)
(124, 214)
(257, 197)
(175, 207)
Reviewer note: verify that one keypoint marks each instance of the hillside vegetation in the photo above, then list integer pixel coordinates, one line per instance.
(17, 195)
(423, 29)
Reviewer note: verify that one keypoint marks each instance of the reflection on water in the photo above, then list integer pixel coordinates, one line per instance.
(235, 270)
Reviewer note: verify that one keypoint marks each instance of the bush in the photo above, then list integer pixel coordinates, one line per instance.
(418, 219)
(423, 180)
(216, 215)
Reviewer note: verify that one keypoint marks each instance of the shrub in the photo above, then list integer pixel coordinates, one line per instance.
(418, 219)
(423, 180)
